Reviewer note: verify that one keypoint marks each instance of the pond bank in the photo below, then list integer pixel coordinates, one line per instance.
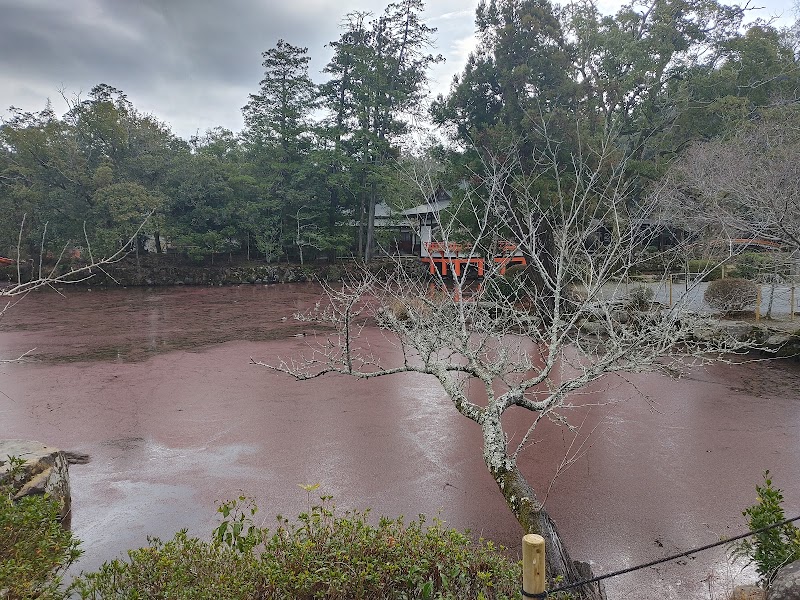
(773, 338)
(776, 338)
(172, 270)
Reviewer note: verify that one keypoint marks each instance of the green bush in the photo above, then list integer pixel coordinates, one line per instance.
(322, 555)
(711, 268)
(731, 294)
(516, 285)
(751, 265)
(34, 547)
(772, 549)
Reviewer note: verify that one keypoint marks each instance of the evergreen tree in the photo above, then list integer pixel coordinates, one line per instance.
(278, 139)
(378, 77)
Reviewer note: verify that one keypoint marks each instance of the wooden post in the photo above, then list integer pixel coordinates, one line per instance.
(758, 304)
(533, 565)
(686, 280)
(791, 306)
(670, 290)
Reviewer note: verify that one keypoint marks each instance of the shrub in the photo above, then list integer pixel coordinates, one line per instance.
(731, 294)
(772, 549)
(34, 547)
(515, 285)
(749, 265)
(752, 265)
(404, 308)
(321, 555)
(711, 268)
(640, 298)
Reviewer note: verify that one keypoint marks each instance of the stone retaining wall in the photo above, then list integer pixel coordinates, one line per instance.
(169, 270)
(775, 341)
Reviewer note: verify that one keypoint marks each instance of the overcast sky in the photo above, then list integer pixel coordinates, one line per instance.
(192, 63)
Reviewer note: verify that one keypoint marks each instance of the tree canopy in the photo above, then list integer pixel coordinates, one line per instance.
(304, 177)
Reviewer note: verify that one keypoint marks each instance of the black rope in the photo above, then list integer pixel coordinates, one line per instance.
(652, 563)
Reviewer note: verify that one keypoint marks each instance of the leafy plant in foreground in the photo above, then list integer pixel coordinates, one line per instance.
(772, 549)
(321, 554)
(237, 530)
(34, 547)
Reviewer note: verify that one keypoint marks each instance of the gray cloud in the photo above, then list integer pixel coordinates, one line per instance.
(191, 63)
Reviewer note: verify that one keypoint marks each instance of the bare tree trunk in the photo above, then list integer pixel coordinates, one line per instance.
(362, 208)
(521, 499)
(773, 284)
(527, 509)
(332, 212)
(533, 518)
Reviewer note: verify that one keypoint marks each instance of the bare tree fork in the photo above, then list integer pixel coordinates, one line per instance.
(532, 342)
(51, 277)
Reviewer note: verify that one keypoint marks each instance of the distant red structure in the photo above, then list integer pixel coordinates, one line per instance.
(452, 256)
(757, 243)
(440, 255)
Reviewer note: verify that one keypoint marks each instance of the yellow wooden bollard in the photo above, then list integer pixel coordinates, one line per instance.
(533, 564)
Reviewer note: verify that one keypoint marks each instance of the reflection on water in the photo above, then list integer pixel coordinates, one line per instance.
(176, 421)
(129, 325)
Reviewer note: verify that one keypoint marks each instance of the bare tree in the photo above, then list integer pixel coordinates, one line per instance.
(532, 341)
(749, 183)
(307, 234)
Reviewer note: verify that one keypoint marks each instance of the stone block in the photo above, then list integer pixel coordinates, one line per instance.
(747, 592)
(45, 471)
(786, 585)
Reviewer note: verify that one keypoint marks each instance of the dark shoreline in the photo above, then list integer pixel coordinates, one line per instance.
(774, 338)
(172, 270)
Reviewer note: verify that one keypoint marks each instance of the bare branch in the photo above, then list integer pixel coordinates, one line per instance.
(571, 456)
(73, 275)
(19, 244)
(19, 358)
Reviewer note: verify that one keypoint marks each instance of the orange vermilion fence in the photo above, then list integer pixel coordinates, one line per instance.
(444, 255)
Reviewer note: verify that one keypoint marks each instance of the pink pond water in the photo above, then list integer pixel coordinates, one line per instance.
(156, 386)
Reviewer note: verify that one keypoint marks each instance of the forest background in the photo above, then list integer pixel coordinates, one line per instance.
(304, 176)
